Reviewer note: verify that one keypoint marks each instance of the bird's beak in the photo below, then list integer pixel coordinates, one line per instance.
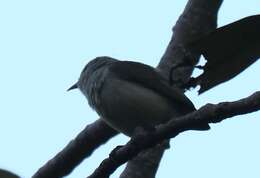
(73, 87)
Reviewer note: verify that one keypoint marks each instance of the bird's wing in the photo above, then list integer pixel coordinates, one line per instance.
(148, 77)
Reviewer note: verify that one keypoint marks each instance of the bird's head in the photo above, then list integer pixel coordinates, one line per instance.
(90, 68)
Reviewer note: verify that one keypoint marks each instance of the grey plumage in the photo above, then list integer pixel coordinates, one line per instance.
(129, 94)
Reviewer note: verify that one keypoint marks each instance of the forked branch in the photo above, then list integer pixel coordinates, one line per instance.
(210, 113)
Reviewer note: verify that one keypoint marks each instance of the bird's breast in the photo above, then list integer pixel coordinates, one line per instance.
(92, 87)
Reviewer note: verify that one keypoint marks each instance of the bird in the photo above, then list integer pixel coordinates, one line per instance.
(128, 94)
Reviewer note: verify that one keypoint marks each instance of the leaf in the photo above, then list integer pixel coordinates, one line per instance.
(229, 50)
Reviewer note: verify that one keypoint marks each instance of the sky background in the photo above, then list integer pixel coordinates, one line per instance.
(44, 44)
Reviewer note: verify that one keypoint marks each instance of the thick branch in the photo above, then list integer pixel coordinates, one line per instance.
(146, 163)
(193, 22)
(210, 113)
(198, 18)
(81, 147)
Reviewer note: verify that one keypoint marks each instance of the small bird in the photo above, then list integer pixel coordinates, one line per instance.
(130, 94)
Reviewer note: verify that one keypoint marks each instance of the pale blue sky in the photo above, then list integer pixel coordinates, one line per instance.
(44, 46)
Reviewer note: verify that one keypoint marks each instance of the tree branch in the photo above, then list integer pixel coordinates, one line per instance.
(198, 18)
(81, 147)
(146, 163)
(210, 113)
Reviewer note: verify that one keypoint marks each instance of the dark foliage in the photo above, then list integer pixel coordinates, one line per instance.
(229, 50)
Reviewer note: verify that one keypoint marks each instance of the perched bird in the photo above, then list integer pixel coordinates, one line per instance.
(129, 94)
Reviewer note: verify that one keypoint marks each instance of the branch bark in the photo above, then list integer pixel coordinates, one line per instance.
(77, 150)
(210, 113)
(198, 18)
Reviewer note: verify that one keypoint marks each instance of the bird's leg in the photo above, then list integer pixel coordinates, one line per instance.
(113, 152)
